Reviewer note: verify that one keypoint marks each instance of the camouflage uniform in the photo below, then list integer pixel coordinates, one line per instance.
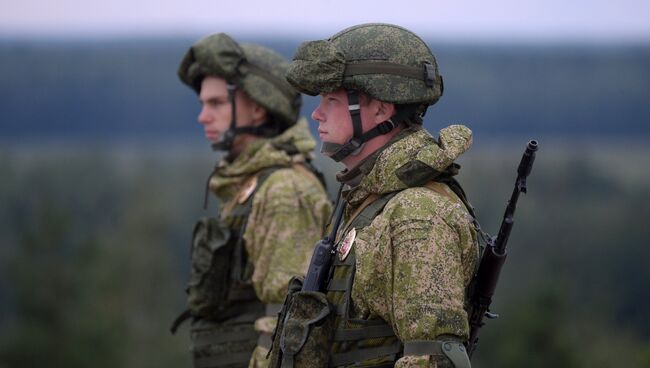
(423, 241)
(288, 214)
(398, 294)
(272, 209)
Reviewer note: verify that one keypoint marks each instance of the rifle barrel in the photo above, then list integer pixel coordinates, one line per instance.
(494, 255)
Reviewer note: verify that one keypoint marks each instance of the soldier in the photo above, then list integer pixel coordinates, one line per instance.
(272, 203)
(407, 248)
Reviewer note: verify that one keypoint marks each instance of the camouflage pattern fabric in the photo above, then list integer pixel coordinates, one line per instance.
(389, 61)
(288, 215)
(255, 69)
(423, 242)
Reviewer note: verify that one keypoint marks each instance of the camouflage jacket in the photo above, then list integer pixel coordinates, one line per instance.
(288, 214)
(424, 242)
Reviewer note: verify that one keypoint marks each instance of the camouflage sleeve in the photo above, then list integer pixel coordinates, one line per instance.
(429, 252)
(287, 218)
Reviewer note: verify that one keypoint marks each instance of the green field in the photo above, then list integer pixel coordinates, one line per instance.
(95, 245)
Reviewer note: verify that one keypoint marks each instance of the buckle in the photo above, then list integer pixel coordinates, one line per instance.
(429, 74)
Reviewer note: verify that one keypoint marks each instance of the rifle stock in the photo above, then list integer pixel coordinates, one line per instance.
(495, 253)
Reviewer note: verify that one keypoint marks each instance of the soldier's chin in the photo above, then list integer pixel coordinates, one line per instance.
(213, 138)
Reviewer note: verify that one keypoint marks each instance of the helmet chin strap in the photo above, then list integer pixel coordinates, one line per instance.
(338, 152)
(267, 129)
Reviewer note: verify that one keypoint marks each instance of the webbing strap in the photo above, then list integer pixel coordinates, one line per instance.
(222, 360)
(368, 332)
(355, 112)
(421, 347)
(365, 217)
(356, 141)
(218, 337)
(364, 354)
(370, 199)
(337, 285)
(384, 67)
(440, 188)
(340, 309)
(348, 261)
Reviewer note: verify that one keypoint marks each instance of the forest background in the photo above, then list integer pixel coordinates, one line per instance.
(103, 165)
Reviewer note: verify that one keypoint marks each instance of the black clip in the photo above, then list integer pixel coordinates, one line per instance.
(429, 74)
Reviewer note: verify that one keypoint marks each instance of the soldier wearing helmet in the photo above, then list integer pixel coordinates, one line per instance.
(272, 205)
(406, 249)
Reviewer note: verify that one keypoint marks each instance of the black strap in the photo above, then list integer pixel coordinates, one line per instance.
(421, 347)
(267, 129)
(225, 144)
(364, 354)
(355, 112)
(337, 285)
(358, 136)
(425, 73)
(375, 208)
(356, 142)
(454, 185)
(367, 332)
(187, 314)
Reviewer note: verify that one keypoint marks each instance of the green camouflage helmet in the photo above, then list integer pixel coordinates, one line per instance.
(255, 69)
(387, 62)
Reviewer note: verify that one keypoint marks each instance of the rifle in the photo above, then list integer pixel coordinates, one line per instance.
(321, 259)
(495, 254)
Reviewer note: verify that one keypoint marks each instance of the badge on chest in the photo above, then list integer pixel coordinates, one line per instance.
(247, 189)
(346, 244)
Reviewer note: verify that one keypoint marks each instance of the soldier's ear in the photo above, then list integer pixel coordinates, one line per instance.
(385, 111)
(259, 113)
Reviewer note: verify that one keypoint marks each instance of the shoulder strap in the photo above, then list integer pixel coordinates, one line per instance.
(241, 203)
(367, 211)
(240, 208)
(454, 185)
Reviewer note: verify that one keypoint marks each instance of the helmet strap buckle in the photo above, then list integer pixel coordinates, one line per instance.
(429, 74)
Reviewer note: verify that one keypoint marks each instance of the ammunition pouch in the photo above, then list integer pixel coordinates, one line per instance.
(216, 280)
(306, 331)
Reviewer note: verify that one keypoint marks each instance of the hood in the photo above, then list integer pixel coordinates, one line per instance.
(411, 159)
(294, 145)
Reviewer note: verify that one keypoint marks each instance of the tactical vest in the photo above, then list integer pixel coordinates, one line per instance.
(372, 342)
(316, 329)
(221, 298)
(364, 342)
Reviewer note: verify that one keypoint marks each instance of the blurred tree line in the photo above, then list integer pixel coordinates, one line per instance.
(95, 245)
(119, 89)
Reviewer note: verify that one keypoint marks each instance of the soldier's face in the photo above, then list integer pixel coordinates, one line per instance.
(333, 117)
(335, 122)
(216, 110)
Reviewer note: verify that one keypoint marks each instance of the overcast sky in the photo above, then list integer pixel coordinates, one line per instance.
(527, 20)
